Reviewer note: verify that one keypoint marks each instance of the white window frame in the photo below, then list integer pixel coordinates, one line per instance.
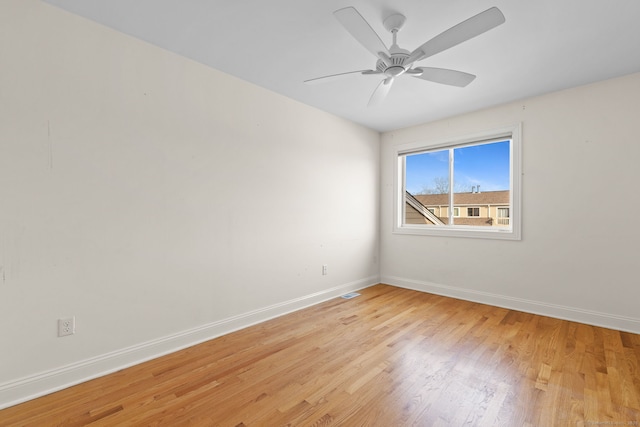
(514, 134)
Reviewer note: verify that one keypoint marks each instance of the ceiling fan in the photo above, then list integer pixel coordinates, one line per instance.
(395, 61)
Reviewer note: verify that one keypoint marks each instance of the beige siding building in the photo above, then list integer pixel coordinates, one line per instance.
(488, 208)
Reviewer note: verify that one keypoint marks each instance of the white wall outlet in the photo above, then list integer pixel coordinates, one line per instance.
(66, 326)
(324, 270)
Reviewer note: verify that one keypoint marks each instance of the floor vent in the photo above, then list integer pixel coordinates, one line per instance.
(350, 295)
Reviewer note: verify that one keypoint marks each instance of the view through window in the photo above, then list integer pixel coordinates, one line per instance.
(473, 179)
(468, 185)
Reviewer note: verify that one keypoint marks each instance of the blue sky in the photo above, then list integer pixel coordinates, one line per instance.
(486, 165)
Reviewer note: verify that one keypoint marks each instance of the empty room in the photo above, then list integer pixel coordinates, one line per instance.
(305, 213)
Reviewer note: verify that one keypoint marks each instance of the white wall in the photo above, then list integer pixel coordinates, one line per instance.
(579, 254)
(159, 201)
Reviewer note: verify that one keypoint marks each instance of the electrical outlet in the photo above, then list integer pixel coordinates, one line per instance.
(66, 326)
(324, 270)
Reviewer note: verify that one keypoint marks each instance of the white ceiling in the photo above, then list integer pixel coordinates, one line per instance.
(544, 46)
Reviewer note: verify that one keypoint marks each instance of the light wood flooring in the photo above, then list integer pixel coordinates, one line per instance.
(390, 357)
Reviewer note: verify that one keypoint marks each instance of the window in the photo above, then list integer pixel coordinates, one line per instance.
(503, 216)
(478, 173)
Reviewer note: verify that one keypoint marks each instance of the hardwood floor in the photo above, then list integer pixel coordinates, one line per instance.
(390, 357)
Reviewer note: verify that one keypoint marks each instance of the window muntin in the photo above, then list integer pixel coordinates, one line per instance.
(473, 211)
(478, 176)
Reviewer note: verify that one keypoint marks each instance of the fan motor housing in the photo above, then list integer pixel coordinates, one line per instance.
(395, 65)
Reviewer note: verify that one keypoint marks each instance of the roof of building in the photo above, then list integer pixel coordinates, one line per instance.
(482, 198)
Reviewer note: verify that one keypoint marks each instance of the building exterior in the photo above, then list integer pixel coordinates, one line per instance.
(488, 208)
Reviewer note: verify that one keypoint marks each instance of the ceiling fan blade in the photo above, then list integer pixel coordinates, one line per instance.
(444, 76)
(472, 27)
(333, 77)
(360, 29)
(381, 92)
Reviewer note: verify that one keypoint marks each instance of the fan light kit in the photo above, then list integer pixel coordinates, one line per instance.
(393, 62)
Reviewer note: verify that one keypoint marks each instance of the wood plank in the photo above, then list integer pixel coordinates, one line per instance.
(391, 356)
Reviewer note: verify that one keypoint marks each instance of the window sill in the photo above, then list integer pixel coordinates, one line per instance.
(459, 231)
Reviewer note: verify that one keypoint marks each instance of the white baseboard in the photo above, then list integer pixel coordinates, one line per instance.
(606, 320)
(23, 389)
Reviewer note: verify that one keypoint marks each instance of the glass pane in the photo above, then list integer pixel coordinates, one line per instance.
(481, 177)
(481, 186)
(427, 188)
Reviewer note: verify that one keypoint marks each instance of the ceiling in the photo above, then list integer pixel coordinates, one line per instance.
(544, 46)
